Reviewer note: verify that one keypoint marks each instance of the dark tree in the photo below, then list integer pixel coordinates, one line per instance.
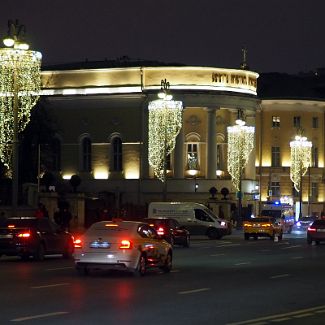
(213, 192)
(75, 181)
(224, 191)
(48, 180)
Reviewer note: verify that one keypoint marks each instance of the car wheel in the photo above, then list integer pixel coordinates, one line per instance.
(246, 236)
(68, 251)
(141, 267)
(213, 234)
(40, 253)
(168, 263)
(187, 241)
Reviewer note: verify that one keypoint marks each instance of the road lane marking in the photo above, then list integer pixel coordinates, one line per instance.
(50, 286)
(294, 246)
(228, 245)
(242, 263)
(221, 254)
(278, 320)
(265, 250)
(21, 319)
(303, 315)
(60, 268)
(193, 291)
(279, 276)
(278, 316)
(296, 257)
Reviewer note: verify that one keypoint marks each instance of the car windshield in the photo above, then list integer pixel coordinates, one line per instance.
(306, 219)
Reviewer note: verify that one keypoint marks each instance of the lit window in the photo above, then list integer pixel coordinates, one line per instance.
(275, 121)
(192, 156)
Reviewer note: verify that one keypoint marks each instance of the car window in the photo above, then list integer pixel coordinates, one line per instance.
(201, 215)
(319, 223)
(44, 225)
(145, 231)
(261, 220)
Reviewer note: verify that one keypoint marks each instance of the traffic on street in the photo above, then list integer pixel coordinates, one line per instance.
(228, 281)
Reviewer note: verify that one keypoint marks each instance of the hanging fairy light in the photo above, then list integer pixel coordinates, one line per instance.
(240, 145)
(20, 83)
(165, 122)
(300, 159)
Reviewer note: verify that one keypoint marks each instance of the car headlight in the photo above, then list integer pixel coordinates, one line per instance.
(298, 223)
(223, 223)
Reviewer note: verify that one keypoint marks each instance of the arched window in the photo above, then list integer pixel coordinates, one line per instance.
(86, 154)
(56, 154)
(117, 154)
(193, 151)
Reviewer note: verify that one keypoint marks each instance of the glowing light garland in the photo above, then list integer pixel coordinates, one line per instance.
(240, 145)
(300, 159)
(165, 122)
(20, 81)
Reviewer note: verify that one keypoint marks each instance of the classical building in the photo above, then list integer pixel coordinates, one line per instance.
(102, 136)
(102, 118)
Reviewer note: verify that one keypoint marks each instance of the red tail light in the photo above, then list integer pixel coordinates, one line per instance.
(24, 235)
(161, 231)
(125, 244)
(77, 243)
(311, 229)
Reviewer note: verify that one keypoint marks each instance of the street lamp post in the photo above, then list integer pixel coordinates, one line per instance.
(300, 161)
(165, 122)
(20, 83)
(240, 145)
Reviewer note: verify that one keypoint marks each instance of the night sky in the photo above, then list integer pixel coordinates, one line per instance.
(280, 35)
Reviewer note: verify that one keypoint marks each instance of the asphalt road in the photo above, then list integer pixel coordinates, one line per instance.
(228, 281)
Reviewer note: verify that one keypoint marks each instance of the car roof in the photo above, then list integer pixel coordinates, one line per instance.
(115, 226)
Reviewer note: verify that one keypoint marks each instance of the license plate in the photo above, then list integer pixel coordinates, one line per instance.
(6, 236)
(320, 230)
(100, 244)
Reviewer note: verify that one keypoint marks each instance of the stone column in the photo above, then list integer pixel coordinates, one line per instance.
(144, 172)
(250, 169)
(179, 155)
(211, 144)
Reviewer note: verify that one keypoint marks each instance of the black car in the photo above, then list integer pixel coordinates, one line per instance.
(316, 232)
(36, 237)
(170, 230)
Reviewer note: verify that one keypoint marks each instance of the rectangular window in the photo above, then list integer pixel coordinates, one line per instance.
(296, 121)
(315, 123)
(275, 121)
(314, 191)
(192, 156)
(275, 188)
(314, 157)
(276, 157)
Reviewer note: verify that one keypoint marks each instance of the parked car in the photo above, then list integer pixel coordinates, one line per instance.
(316, 232)
(36, 237)
(303, 223)
(262, 227)
(171, 230)
(123, 245)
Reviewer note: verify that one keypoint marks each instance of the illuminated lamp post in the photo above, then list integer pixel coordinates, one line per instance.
(20, 83)
(300, 161)
(165, 122)
(240, 145)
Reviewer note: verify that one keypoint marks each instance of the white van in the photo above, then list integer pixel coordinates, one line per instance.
(196, 217)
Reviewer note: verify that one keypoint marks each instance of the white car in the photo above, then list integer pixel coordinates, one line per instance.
(122, 245)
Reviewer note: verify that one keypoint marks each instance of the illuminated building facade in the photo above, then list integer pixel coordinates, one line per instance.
(102, 114)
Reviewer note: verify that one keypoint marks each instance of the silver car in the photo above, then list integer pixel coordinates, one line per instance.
(122, 245)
